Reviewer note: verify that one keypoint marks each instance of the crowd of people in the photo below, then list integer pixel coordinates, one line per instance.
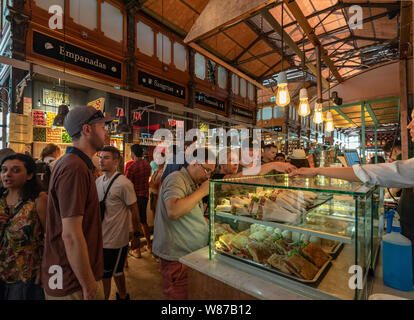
(68, 240)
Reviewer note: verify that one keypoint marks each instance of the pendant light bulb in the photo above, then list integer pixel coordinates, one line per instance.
(282, 96)
(317, 116)
(304, 108)
(329, 122)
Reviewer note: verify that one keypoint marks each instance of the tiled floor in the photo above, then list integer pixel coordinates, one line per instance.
(143, 279)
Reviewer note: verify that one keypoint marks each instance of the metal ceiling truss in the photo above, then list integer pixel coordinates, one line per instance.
(343, 28)
(391, 9)
(258, 31)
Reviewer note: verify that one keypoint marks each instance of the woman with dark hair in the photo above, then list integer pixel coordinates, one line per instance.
(22, 223)
(50, 153)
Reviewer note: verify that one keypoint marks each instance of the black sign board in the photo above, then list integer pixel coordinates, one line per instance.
(58, 50)
(276, 128)
(239, 111)
(209, 101)
(161, 85)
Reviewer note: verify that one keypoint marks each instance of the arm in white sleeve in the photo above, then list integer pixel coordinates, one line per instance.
(398, 174)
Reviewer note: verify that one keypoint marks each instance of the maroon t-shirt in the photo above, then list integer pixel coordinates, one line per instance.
(72, 192)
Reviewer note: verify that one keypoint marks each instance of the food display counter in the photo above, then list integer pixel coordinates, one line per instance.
(313, 238)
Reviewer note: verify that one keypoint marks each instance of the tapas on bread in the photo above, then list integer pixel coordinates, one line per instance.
(300, 259)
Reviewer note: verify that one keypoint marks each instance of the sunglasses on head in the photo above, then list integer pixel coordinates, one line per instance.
(97, 115)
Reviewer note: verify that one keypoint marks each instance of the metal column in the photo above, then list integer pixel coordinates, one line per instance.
(376, 145)
(363, 132)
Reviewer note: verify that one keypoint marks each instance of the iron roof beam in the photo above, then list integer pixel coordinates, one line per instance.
(343, 28)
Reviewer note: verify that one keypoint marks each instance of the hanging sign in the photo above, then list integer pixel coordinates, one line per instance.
(152, 82)
(67, 53)
(136, 116)
(239, 111)
(27, 106)
(119, 112)
(209, 101)
(98, 104)
(54, 98)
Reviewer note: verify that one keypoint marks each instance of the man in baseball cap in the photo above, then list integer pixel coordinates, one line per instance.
(73, 232)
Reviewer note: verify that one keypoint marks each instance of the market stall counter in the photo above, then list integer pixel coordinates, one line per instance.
(274, 237)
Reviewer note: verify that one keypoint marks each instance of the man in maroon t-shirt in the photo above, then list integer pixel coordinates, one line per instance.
(72, 265)
(139, 173)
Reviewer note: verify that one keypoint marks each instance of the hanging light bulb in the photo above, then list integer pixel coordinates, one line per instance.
(304, 108)
(329, 122)
(317, 116)
(282, 96)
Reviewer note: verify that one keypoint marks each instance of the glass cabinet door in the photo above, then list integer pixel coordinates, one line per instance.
(318, 232)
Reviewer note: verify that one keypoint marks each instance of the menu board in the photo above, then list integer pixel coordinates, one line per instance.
(54, 98)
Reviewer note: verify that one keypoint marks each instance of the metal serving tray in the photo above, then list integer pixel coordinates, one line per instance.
(313, 282)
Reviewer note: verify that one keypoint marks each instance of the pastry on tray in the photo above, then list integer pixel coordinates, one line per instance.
(301, 267)
(314, 254)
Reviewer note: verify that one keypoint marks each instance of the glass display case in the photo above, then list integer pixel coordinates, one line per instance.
(323, 233)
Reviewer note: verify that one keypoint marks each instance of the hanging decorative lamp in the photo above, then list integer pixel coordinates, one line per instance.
(329, 126)
(282, 96)
(318, 116)
(304, 108)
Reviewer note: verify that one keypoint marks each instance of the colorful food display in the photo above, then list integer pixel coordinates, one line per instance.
(302, 259)
(39, 118)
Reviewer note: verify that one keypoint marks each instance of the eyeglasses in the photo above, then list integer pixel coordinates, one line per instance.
(207, 171)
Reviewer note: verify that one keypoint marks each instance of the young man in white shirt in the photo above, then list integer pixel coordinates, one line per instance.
(120, 201)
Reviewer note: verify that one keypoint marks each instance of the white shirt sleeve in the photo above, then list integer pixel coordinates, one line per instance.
(398, 174)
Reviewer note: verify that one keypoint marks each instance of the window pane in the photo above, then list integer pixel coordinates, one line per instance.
(85, 13)
(145, 39)
(222, 77)
(180, 57)
(112, 22)
(250, 91)
(200, 66)
(259, 114)
(235, 83)
(163, 48)
(278, 112)
(243, 87)
(267, 113)
(45, 4)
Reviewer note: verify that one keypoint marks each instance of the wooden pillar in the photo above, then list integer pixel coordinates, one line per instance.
(189, 124)
(405, 44)
(230, 94)
(403, 109)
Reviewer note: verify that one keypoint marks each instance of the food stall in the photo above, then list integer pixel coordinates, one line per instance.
(274, 237)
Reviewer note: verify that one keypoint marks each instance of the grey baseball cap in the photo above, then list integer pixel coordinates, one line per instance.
(79, 116)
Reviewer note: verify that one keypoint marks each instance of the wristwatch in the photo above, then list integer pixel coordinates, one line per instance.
(136, 234)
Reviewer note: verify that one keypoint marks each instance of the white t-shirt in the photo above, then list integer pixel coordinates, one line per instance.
(115, 226)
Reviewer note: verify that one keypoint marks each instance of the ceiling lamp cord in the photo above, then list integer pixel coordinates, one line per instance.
(329, 118)
(282, 96)
(304, 108)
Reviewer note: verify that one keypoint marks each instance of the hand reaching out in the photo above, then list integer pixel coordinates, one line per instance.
(303, 173)
(284, 167)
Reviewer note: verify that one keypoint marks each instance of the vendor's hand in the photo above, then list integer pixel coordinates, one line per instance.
(284, 167)
(304, 173)
(204, 188)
